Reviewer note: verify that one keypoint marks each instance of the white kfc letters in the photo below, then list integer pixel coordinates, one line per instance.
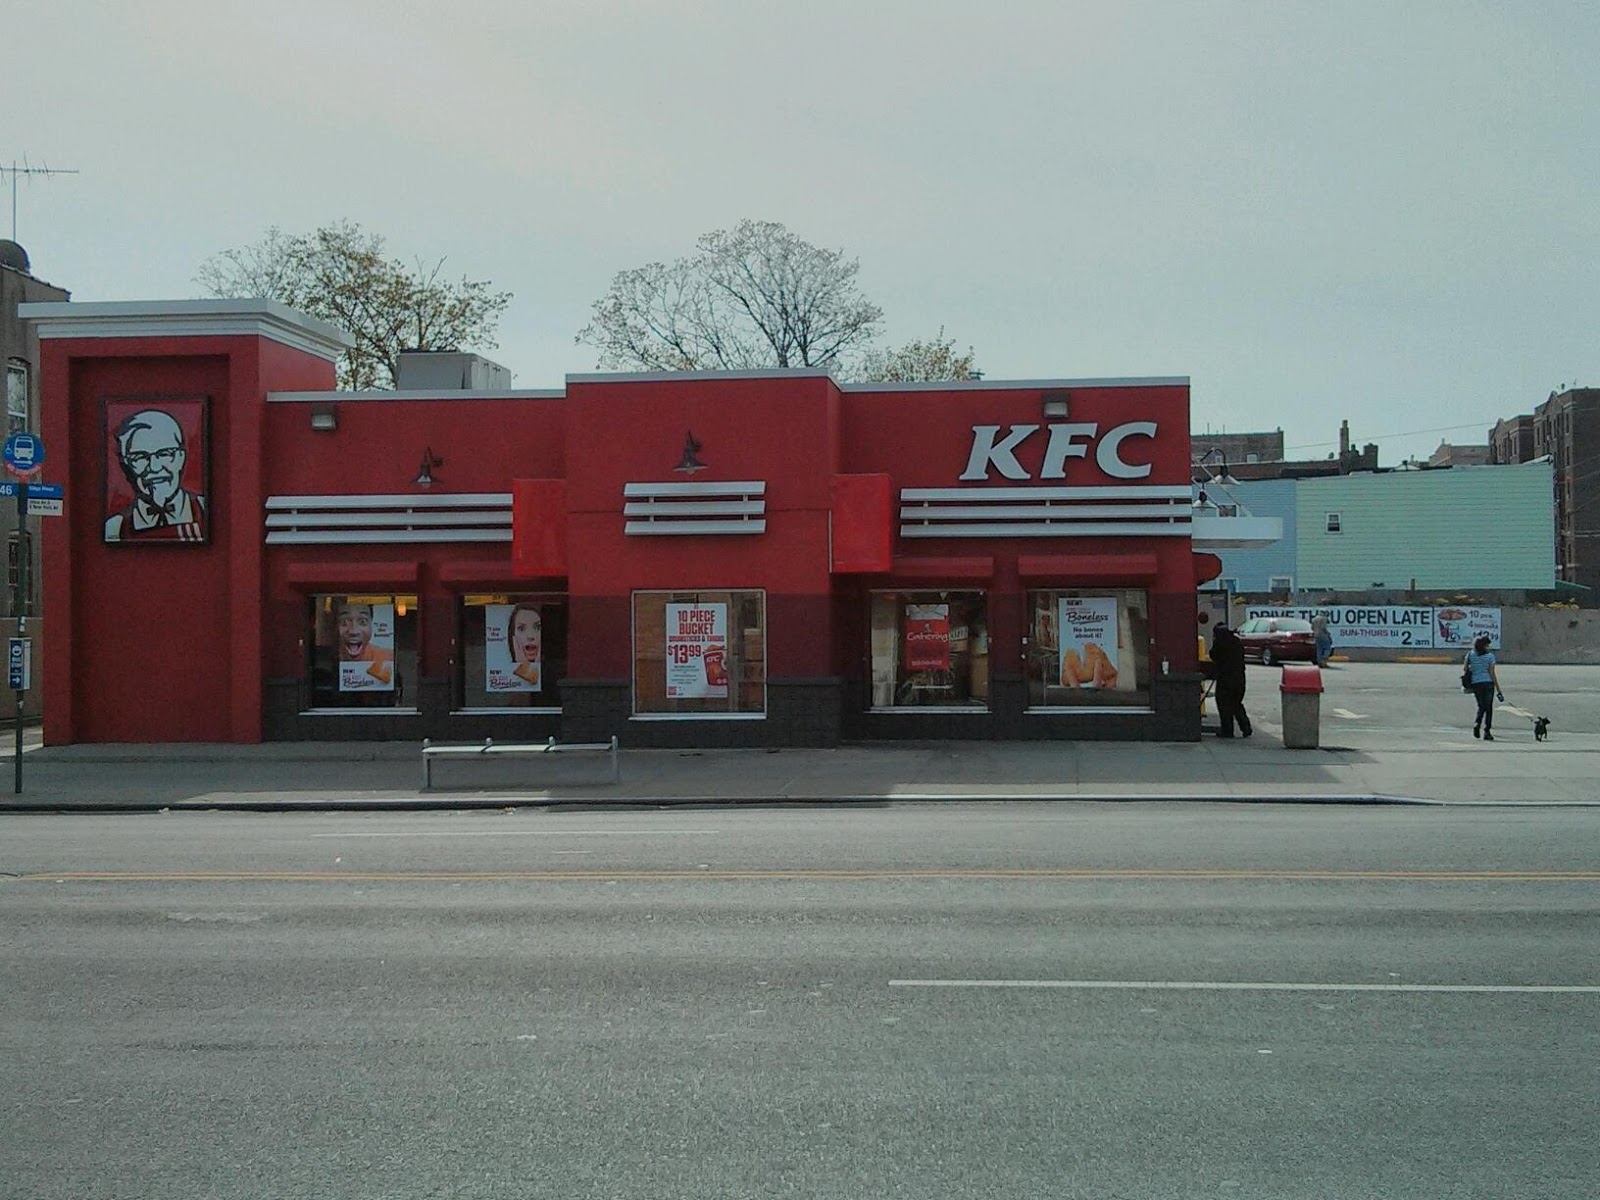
(989, 448)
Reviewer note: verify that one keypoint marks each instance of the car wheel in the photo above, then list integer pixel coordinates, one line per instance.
(1266, 656)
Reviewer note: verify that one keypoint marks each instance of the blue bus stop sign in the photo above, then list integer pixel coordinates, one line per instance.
(23, 454)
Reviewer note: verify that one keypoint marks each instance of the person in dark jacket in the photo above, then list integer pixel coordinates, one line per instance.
(1227, 668)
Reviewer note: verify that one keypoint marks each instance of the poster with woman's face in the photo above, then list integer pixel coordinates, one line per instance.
(364, 643)
(513, 648)
(156, 455)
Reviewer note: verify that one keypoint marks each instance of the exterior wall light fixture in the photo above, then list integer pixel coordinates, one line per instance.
(324, 418)
(425, 471)
(1055, 405)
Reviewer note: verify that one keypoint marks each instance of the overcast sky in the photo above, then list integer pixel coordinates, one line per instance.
(1386, 210)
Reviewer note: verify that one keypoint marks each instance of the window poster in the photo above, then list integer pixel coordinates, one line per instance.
(697, 651)
(513, 648)
(1087, 629)
(927, 637)
(365, 635)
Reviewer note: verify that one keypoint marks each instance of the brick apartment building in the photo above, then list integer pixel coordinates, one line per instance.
(1566, 427)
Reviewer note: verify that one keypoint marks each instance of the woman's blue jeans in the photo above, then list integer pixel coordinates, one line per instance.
(1485, 694)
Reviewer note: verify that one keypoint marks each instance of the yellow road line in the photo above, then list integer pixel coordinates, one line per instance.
(799, 875)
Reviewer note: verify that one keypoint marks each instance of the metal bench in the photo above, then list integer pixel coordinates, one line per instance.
(490, 746)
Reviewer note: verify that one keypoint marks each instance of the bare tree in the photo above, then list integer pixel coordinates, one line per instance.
(342, 275)
(918, 361)
(750, 297)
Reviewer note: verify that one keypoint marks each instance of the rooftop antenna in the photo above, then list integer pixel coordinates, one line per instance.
(14, 171)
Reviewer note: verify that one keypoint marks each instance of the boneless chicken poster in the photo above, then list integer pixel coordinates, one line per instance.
(365, 635)
(513, 648)
(1088, 633)
(697, 651)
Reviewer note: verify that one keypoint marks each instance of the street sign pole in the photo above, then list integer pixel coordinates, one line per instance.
(23, 455)
(19, 594)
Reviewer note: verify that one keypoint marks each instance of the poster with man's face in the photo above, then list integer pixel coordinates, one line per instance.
(364, 642)
(157, 459)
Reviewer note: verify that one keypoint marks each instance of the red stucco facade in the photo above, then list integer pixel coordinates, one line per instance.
(173, 642)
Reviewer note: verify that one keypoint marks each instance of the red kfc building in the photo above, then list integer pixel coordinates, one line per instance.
(762, 558)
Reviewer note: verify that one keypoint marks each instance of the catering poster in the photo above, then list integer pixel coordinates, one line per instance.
(927, 637)
(1463, 626)
(697, 651)
(1088, 634)
(364, 635)
(513, 648)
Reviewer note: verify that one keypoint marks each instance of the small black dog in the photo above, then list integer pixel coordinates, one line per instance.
(1541, 728)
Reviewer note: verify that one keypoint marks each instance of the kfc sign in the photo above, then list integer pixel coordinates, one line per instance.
(1074, 440)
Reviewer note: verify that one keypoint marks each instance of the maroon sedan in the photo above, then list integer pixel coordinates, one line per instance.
(1271, 640)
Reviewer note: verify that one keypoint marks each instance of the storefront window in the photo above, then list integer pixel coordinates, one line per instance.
(363, 651)
(511, 651)
(1088, 649)
(930, 648)
(699, 654)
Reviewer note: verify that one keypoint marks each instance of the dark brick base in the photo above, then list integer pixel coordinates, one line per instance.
(800, 713)
(284, 720)
(1174, 716)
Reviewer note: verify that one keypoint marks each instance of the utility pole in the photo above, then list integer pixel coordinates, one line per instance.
(14, 172)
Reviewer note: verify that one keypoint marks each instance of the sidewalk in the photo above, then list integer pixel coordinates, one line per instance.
(365, 775)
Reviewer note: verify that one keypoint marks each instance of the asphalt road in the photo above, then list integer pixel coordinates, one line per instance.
(803, 1003)
(1423, 704)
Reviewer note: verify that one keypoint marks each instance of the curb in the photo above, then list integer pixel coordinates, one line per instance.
(483, 802)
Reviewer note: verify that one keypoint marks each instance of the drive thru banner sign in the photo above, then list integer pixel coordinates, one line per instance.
(1395, 627)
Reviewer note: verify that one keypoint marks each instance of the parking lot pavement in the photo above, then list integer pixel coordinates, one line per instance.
(1388, 731)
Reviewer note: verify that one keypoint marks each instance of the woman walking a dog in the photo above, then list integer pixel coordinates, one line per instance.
(1479, 665)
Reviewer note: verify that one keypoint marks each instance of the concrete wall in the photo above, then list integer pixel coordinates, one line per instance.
(1550, 635)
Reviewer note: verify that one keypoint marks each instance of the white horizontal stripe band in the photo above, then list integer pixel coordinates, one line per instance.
(1173, 985)
(393, 395)
(981, 493)
(645, 490)
(1061, 512)
(417, 500)
(436, 833)
(369, 520)
(695, 508)
(188, 318)
(357, 537)
(1015, 385)
(682, 528)
(1064, 529)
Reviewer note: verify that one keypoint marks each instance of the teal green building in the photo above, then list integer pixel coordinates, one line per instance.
(1461, 528)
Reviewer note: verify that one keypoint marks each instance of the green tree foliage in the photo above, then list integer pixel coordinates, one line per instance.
(752, 297)
(342, 274)
(918, 361)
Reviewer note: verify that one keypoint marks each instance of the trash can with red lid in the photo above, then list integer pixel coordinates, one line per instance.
(1302, 705)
